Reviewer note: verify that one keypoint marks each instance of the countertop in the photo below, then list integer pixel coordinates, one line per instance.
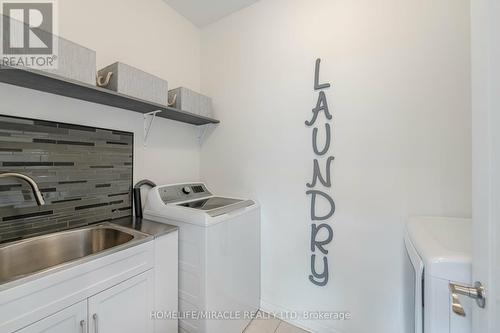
(146, 226)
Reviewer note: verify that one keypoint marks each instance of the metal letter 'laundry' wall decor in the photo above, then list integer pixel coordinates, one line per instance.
(321, 231)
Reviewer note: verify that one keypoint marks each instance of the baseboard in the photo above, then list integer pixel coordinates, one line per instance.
(313, 326)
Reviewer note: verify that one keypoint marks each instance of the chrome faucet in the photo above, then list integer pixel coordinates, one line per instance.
(34, 187)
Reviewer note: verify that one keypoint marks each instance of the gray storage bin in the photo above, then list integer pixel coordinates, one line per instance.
(131, 81)
(75, 62)
(191, 101)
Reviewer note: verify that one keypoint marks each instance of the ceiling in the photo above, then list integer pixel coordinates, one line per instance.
(204, 12)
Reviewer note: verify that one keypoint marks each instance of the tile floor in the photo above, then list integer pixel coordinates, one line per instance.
(264, 324)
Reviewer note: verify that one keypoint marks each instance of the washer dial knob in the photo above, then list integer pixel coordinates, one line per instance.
(186, 190)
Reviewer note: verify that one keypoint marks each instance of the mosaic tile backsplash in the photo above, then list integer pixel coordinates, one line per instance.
(84, 174)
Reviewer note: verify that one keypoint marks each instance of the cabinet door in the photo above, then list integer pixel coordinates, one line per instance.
(70, 320)
(124, 308)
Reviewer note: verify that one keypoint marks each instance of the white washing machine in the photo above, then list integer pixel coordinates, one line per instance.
(440, 252)
(219, 255)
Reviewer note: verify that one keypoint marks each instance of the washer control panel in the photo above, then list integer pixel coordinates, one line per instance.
(183, 192)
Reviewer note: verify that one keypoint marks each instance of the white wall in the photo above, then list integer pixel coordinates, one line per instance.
(146, 34)
(402, 139)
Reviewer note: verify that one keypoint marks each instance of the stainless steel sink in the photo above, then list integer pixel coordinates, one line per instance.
(34, 255)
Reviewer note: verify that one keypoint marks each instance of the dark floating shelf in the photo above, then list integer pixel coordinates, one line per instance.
(54, 84)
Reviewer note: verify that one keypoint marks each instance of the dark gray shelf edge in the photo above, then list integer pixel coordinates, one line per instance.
(54, 84)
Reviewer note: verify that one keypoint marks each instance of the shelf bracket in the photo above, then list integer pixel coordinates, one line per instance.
(147, 126)
(204, 129)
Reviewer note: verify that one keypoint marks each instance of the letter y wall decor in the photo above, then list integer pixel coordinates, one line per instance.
(321, 231)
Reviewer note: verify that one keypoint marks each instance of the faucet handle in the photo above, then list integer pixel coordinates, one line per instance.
(455, 304)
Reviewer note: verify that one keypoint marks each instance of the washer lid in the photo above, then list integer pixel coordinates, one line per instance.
(210, 203)
(215, 206)
(445, 246)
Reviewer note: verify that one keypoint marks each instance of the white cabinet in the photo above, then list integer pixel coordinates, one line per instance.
(121, 289)
(32, 301)
(124, 308)
(73, 319)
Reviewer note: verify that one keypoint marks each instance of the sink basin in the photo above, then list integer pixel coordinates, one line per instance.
(26, 257)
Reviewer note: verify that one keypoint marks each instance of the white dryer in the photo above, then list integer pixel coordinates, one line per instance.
(219, 255)
(440, 252)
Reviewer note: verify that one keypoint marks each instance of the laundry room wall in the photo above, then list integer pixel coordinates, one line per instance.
(400, 100)
(149, 35)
